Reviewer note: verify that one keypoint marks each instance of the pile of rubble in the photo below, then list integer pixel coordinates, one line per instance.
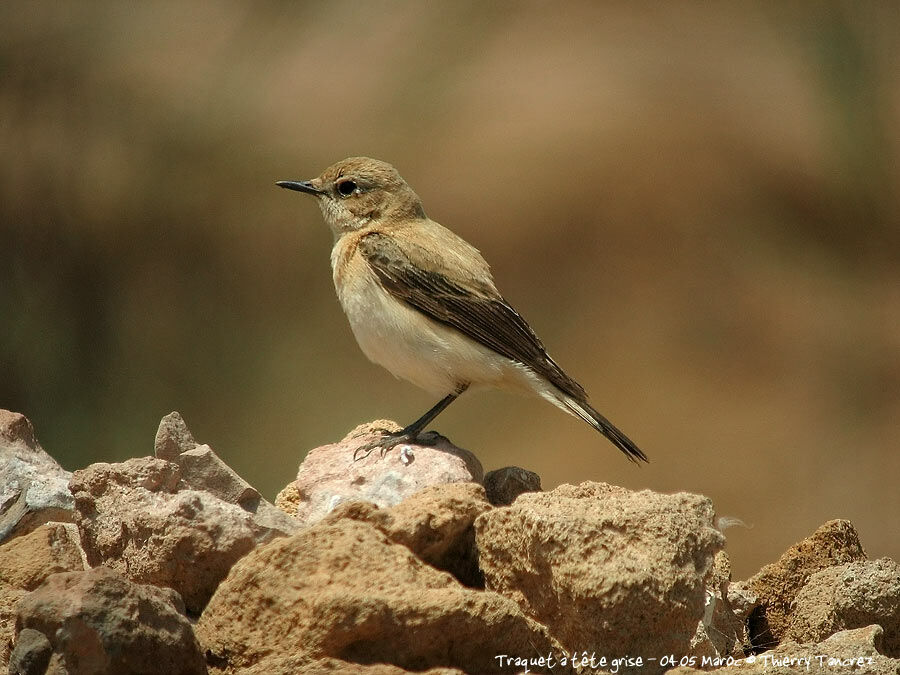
(411, 562)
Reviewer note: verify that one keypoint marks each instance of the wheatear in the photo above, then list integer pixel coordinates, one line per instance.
(422, 302)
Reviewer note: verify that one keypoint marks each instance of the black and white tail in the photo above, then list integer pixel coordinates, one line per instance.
(603, 425)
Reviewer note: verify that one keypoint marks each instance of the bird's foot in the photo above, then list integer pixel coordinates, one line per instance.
(391, 439)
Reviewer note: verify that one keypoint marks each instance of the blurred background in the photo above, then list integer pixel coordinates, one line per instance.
(697, 207)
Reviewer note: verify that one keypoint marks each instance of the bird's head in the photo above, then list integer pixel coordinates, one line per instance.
(360, 191)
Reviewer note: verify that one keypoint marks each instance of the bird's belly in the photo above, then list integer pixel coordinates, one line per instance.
(418, 349)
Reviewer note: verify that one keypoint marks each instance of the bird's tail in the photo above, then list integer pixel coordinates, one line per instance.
(604, 426)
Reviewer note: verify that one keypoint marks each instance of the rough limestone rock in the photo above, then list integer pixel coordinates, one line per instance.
(34, 489)
(329, 475)
(202, 469)
(743, 600)
(98, 622)
(856, 652)
(777, 584)
(25, 562)
(721, 632)
(172, 438)
(852, 595)
(601, 565)
(436, 524)
(138, 517)
(293, 666)
(343, 590)
(504, 485)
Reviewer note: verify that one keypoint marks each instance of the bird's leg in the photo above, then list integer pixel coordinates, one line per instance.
(409, 433)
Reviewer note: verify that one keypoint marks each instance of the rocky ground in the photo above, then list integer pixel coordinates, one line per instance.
(415, 562)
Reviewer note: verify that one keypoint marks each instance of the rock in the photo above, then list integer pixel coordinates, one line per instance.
(341, 589)
(98, 622)
(866, 643)
(328, 475)
(34, 489)
(504, 485)
(292, 666)
(25, 563)
(601, 565)
(852, 595)
(851, 651)
(777, 584)
(743, 601)
(721, 632)
(436, 524)
(172, 438)
(201, 468)
(31, 655)
(17, 434)
(140, 518)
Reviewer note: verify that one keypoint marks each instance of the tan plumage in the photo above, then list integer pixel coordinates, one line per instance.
(422, 302)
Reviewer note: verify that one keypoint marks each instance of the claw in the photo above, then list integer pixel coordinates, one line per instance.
(365, 449)
(390, 439)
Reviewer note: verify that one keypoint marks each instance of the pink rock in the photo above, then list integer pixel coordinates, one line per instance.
(329, 475)
(34, 488)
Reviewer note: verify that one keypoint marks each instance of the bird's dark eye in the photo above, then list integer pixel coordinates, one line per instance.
(346, 188)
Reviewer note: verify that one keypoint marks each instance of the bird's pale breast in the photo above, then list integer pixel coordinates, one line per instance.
(409, 344)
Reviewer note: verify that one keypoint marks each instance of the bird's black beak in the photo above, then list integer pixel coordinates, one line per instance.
(300, 186)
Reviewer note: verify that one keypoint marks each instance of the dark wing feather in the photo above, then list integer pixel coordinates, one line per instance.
(482, 314)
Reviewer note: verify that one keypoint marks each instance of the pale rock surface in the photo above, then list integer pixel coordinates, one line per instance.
(743, 600)
(172, 438)
(852, 595)
(202, 469)
(777, 584)
(98, 622)
(140, 518)
(436, 524)
(342, 589)
(721, 631)
(602, 565)
(25, 563)
(34, 488)
(294, 666)
(329, 475)
(850, 652)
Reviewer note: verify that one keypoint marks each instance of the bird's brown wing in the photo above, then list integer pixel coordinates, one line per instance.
(474, 309)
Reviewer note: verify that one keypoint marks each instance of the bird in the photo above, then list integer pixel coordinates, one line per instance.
(422, 302)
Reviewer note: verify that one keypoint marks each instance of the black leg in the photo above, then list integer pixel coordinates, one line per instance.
(416, 427)
(409, 433)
